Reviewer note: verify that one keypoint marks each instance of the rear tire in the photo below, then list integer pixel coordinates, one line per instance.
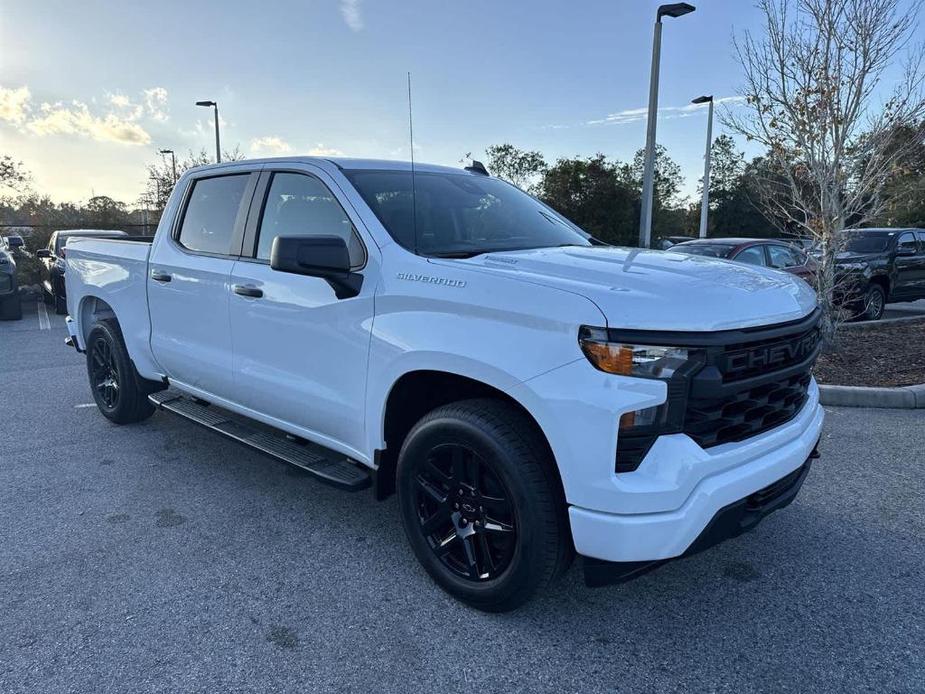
(119, 392)
(482, 505)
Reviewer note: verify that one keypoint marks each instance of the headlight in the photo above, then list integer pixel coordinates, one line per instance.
(643, 361)
(673, 364)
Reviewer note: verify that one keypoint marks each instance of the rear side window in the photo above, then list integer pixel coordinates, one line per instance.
(208, 223)
(753, 255)
(301, 205)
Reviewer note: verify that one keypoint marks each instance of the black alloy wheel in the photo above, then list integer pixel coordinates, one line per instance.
(482, 504)
(118, 390)
(874, 303)
(104, 373)
(465, 513)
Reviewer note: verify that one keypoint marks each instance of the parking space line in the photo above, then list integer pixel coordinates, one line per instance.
(85, 404)
(44, 321)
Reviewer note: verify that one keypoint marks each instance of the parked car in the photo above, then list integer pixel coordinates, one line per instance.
(773, 253)
(439, 333)
(666, 242)
(54, 262)
(10, 304)
(879, 266)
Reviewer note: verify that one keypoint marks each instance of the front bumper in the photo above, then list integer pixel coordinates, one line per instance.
(730, 521)
(658, 511)
(631, 537)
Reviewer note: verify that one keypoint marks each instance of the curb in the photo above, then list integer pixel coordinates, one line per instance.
(874, 324)
(904, 397)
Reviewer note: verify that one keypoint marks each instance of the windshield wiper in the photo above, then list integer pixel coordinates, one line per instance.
(455, 254)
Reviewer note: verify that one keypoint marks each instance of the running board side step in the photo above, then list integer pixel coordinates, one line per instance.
(327, 466)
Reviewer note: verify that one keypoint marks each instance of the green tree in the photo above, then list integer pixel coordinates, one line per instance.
(668, 216)
(596, 195)
(522, 168)
(13, 175)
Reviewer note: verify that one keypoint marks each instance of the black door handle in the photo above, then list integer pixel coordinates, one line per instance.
(247, 290)
(159, 276)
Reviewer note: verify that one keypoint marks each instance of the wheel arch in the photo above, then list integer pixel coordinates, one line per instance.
(417, 392)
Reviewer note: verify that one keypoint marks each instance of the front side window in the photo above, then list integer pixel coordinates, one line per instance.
(460, 215)
(782, 257)
(753, 255)
(301, 205)
(208, 224)
(907, 243)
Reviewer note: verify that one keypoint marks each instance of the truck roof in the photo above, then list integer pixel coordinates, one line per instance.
(348, 163)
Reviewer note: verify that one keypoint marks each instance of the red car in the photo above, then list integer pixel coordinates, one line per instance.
(774, 253)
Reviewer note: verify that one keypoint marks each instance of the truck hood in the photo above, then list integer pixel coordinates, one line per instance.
(661, 290)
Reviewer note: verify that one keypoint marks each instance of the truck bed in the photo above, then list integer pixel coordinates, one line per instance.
(109, 273)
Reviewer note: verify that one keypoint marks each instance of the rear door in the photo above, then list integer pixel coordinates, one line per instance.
(300, 353)
(188, 281)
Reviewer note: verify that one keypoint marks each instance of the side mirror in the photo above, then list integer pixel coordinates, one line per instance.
(326, 257)
(43, 253)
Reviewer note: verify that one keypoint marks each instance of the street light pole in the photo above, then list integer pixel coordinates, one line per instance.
(705, 203)
(218, 147)
(648, 178)
(173, 162)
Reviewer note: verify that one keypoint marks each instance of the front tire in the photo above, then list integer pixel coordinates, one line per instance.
(11, 308)
(119, 392)
(874, 303)
(482, 505)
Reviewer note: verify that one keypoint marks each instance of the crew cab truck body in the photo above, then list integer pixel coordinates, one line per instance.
(527, 392)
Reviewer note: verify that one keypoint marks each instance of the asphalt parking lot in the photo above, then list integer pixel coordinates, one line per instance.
(159, 557)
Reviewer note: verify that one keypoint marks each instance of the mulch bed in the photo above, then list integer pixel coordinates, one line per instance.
(887, 356)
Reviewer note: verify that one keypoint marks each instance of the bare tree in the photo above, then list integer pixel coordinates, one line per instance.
(812, 81)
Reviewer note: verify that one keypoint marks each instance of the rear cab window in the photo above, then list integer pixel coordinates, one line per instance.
(211, 212)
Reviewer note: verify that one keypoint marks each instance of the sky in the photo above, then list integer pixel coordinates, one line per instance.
(90, 90)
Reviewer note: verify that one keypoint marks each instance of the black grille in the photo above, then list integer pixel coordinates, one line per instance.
(733, 417)
(737, 384)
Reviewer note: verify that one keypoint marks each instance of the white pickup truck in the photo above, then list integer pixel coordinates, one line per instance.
(527, 391)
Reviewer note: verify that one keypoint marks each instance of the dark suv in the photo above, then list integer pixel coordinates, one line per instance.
(877, 266)
(10, 306)
(54, 262)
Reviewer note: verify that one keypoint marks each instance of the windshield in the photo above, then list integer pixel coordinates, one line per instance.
(866, 243)
(708, 249)
(460, 214)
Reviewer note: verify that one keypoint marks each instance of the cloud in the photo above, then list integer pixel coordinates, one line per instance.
(15, 105)
(155, 100)
(634, 115)
(270, 145)
(350, 9)
(119, 120)
(319, 150)
(76, 119)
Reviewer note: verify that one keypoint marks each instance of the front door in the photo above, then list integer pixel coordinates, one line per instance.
(909, 282)
(189, 287)
(300, 353)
